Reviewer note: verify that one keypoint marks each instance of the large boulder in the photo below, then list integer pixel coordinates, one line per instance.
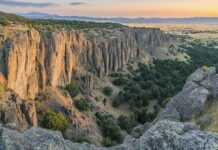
(201, 74)
(211, 84)
(167, 113)
(37, 138)
(167, 135)
(189, 102)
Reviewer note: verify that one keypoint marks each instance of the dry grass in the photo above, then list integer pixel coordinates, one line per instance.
(2, 90)
(209, 119)
(176, 26)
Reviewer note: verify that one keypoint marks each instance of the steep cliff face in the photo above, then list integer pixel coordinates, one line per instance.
(30, 60)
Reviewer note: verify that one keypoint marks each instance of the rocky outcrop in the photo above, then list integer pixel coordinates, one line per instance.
(29, 110)
(187, 104)
(164, 135)
(16, 113)
(190, 102)
(167, 135)
(87, 82)
(30, 60)
(200, 74)
(139, 130)
(211, 84)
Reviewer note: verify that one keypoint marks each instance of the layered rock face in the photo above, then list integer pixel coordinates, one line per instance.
(30, 60)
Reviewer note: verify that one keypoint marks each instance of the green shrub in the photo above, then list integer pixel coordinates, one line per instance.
(56, 121)
(82, 104)
(127, 122)
(116, 74)
(107, 142)
(73, 89)
(205, 68)
(116, 103)
(109, 127)
(4, 21)
(143, 116)
(118, 100)
(120, 81)
(107, 90)
(104, 101)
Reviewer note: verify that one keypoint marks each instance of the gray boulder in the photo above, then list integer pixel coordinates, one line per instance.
(168, 113)
(200, 75)
(167, 135)
(211, 84)
(38, 139)
(139, 130)
(189, 102)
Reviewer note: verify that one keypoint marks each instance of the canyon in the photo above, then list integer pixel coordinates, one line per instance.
(35, 63)
(31, 60)
(36, 66)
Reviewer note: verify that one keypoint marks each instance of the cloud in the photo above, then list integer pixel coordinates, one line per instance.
(25, 4)
(77, 3)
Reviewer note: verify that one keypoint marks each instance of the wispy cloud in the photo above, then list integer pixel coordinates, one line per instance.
(25, 4)
(77, 3)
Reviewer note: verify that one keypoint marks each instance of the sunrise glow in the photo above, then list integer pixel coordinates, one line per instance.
(114, 8)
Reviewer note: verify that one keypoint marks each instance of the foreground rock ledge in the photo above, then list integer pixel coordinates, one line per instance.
(166, 135)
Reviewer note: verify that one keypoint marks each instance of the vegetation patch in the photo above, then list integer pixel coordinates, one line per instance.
(205, 68)
(143, 116)
(56, 121)
(4, 21)
(52, 24)
(82, 104)
(107, 90)
(127, 122)
(120, 81)
(110, 129)
(73, 89)
(161, 80)
(107, 142)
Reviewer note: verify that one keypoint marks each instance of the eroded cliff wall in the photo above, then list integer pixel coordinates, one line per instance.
(30, 60)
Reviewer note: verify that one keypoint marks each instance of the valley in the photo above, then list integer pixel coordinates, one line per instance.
(107, 84)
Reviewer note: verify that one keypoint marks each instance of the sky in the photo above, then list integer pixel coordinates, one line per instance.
(115, 8)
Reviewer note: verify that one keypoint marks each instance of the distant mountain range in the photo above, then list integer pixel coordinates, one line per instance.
(39, 15)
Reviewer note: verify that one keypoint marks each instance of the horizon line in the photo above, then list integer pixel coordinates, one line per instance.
(140, 17)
